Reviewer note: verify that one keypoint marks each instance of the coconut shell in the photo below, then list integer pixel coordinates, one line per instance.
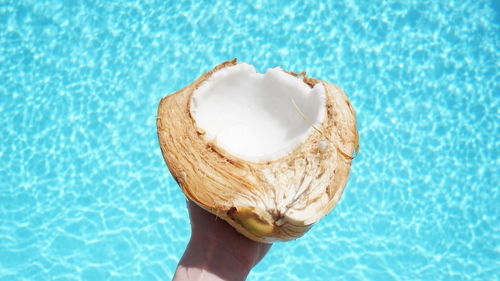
(277, 200)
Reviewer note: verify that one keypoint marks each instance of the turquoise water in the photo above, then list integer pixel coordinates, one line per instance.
(84, 191)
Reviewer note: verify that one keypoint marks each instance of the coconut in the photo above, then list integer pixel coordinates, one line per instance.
(268, 153)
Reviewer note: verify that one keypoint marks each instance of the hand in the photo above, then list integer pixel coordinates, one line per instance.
(216, 251)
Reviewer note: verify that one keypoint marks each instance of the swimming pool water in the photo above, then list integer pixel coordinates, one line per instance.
(84, 191)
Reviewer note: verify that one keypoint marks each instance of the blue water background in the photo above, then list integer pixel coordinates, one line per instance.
(84, 191)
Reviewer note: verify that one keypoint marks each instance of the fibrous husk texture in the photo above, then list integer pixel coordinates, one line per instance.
(277, 200)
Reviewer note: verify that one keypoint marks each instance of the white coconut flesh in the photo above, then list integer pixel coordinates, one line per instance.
(257, 117)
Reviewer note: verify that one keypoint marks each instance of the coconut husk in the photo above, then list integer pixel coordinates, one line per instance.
(277, 200)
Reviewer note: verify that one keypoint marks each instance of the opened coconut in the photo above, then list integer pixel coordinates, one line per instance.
(268, 153)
